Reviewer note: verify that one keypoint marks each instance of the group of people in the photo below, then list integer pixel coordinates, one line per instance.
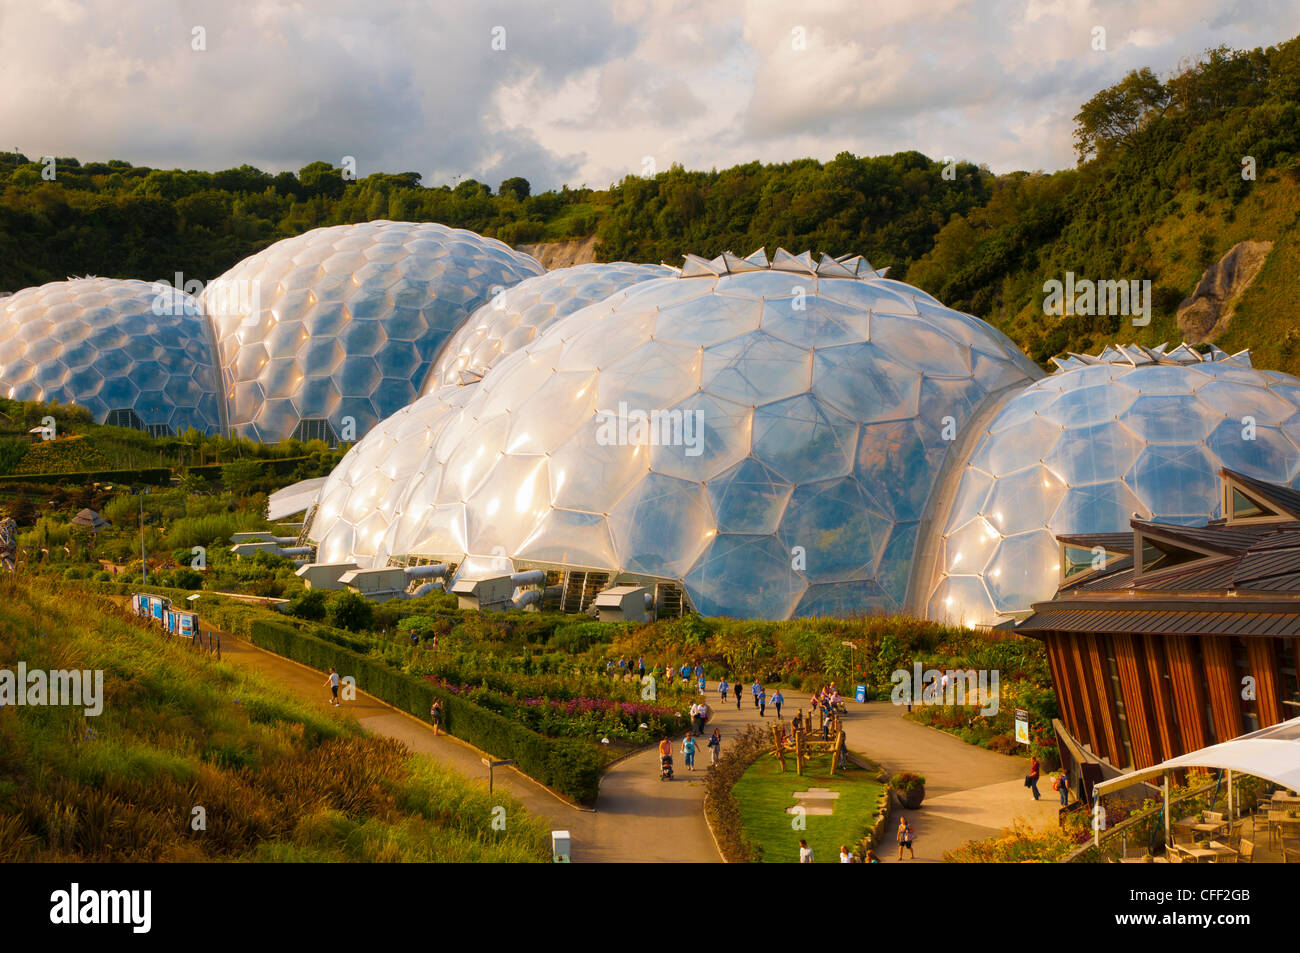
(846, 856)
(689, 747)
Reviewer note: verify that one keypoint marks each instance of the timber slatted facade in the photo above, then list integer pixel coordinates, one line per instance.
(1190, 639)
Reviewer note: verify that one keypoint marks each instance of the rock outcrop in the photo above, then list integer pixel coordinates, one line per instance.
(1204, 316)
(575, 251)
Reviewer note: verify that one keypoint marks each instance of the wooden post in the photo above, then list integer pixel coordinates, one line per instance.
(780, 748)
(798, 754)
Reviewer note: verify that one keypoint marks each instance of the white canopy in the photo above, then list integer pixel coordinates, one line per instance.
(1271, 753)
(293, 499)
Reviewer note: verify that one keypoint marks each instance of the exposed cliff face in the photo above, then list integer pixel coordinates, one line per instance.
(575, 251)
(1206, 314)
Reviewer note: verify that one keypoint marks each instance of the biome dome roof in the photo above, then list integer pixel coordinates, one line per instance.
(346, 321)
(132, 353)
(1134, 431)
(360, 497)
(822, 391)
(511, 319)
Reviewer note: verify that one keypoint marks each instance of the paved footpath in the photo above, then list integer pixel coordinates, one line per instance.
(970, 792)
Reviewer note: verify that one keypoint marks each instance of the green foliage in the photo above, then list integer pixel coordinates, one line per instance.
(279, 780)
(309, 604)
(348, 610)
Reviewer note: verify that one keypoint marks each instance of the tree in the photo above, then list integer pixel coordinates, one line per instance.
(1117, 112)
(240, 476)
(350, 611)
(516, 186)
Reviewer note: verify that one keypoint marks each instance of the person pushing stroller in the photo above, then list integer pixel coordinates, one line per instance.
(665, 760)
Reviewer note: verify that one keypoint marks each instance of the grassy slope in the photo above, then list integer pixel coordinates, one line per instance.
(1265, 314)
(278, 781)
(764, 794)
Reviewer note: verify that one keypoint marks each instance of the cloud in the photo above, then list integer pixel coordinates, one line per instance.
(583, 91)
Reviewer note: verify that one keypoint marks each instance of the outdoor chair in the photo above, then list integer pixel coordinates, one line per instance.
(1290, 855)
(1246, 853)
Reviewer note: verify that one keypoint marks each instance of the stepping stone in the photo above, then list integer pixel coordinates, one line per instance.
(814, 794)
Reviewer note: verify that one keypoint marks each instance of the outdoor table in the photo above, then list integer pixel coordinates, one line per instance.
(1200, 854)
(1207, 828)
(1221, 850)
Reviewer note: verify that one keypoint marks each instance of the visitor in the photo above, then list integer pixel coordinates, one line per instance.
(715, 745)
(333, 683)
(872, 858)
(805, 852)
(722, 689)
(622, 665)
(640, 666)
(736, 692)
(699, 672)
(777, 701)
(688, 751)
(762, 701)
(755, 689)
(905, 837)
(415, 640)
(686, 672)
(435, 715)
(695, 717)
(1062, 785)
(845, 856)
(1032, 779)
(665, 757)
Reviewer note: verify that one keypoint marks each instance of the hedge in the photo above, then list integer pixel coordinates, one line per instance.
(568, 765)
(271, 466)
(154, 476)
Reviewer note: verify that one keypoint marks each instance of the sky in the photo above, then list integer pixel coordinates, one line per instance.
(571, 92)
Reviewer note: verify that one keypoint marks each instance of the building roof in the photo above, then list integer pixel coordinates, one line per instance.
(1228, 577)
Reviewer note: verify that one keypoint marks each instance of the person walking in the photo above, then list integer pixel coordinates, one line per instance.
(1034, 770)
(665, 757)
(905, 837)
(688, 751)
(715, 746)
(736, 692)
(640, 666)
(695, 716)
(722, 689)
(435, 715)
(762, 701)
(845, 856)
(777, 701)
(805, 852)
(333, 683)
(702, 684)
(754, 688)
(1062, 785)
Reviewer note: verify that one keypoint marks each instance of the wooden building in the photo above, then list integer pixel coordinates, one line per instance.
(1167, 639)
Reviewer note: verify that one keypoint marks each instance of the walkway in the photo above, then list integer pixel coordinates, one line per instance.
(970, 792)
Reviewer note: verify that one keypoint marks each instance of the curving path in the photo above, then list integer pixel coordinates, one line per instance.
(970, 792)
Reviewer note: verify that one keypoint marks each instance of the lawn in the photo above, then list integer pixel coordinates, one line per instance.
(764, 793)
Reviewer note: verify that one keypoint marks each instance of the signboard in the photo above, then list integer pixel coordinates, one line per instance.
(861, 694)
(1022, 726)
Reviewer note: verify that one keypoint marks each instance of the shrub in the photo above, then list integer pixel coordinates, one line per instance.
(350, 611)
(720, 805)
(308, 604)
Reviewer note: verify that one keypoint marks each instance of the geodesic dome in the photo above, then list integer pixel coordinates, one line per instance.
(134, 354)
(823, 394)
(346, 321)
(360, 497)
(1132, 432)
(513, 318)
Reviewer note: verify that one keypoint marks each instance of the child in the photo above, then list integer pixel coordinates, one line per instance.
(688, 751)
